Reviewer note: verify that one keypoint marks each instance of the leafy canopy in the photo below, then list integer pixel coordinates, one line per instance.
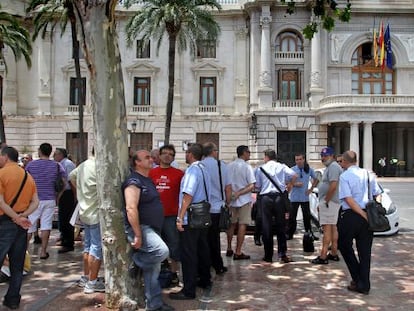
(186, 20)
(325, 11)
(16, 37)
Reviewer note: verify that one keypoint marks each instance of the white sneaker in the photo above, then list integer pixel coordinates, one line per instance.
(94, 288)
(82, 281)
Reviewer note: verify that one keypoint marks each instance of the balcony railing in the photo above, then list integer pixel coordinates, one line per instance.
(74, 109)
(367, 100)
(207, 109)
(289, 55)
(290, 104)
(141, 109)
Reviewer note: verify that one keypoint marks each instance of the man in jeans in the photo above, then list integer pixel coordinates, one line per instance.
(13, 220)
(143, 222)
(83, 178)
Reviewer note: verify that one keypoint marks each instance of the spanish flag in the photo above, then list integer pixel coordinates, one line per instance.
(375, 48)
(381, 45)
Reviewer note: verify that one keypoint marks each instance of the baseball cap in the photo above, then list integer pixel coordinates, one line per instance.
(327, 151)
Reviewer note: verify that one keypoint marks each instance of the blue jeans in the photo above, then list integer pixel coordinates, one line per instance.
(92, 240)
(171, 237)
(149, 257)
(13, 241)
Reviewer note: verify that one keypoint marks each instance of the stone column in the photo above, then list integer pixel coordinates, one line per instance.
(367, 146)
(354, 137)
(265, 89)
(316, 89)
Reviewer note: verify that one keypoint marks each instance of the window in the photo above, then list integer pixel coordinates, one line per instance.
(368, 78)
(289, 84)
(206, 49)
(289, 41)
(142, 87)
(143, 49)
(77, 91)
(207, 91)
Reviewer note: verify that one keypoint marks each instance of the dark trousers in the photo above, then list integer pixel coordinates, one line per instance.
(258, 219)
(13, 241)
(66, 208)
(273, 206)
(352, 226)
(214, 243)
(195, 259)
(294, 213)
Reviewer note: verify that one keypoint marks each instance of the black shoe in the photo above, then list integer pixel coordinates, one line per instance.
(221, 271)
(257, 241)
(65, 249)
(165, 307)
(332, 257)
(37, 240)
(353, 288)
(9, 305)
(286, 259)
(267, 259)
(319, 261)
(180, 296)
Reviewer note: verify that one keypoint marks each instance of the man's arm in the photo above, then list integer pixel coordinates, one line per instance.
(331, 191)
(187, 199)
(34, 204)
(132, 195)
(18, 219)
(355, 207)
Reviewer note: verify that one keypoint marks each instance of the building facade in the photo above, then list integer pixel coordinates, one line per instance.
(261, 84)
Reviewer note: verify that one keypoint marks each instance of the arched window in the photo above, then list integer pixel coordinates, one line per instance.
(289, 41)
(367, 77)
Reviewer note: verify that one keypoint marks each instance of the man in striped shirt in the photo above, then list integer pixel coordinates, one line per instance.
(44, 171)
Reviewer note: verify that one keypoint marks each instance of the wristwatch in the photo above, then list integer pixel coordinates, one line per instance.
(178, 220)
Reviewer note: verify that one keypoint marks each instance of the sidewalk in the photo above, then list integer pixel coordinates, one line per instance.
(249, 285)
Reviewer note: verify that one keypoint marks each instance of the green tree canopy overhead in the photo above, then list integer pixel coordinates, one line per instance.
(185, 22)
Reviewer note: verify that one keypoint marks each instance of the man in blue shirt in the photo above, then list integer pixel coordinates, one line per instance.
(353, 221)
(195, 253)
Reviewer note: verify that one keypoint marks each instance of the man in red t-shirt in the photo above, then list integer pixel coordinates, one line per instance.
(167, 180)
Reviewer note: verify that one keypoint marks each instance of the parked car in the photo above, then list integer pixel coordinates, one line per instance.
(392, 210)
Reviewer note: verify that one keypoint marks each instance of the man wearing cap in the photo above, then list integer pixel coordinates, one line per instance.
(329, 207)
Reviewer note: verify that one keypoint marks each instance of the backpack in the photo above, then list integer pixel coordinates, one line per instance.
(307, 242)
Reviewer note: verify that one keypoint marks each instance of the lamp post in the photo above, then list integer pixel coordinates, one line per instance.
(253, 128)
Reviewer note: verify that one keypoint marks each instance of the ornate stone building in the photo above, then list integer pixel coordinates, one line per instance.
(261, 84)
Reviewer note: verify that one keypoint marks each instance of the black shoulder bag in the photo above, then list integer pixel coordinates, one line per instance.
(225, 214)
(198, 214)
(20, 190)
(377, 221)
(59, 183)
(284, 195)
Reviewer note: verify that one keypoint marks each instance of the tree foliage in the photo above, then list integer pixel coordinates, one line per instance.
(325, 12)
(185, 22)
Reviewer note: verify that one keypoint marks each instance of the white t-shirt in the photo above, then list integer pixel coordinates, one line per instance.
(240, 174)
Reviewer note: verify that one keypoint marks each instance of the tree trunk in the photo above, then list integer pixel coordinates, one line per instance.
(171, 77)
(110, 129)
(2, 132)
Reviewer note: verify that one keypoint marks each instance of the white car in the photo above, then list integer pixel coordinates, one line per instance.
(392, 211)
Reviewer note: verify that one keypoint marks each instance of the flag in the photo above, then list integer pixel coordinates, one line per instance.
(387, 43)
(381, 45)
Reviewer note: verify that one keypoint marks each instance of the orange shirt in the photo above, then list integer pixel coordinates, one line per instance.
(11, 177)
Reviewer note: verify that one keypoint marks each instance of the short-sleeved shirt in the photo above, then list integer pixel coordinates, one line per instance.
(217, 195)
(240, 174)
(84, 176)
(45, 172)
(279, 173)
(149, 205)
(167, 181)
(11, 178)
(192, 184)
(298, 194)
(69, 166)
(331, 173)
(354, 183)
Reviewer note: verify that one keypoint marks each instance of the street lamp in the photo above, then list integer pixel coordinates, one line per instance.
(253, 127)
(134, 126)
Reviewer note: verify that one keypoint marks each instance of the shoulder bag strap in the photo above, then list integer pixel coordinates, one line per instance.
(369, 188)
(221, 182)
(271, 180)
(20, 190)
(204, 182)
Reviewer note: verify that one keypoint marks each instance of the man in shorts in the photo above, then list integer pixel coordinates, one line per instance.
(239, 198)
(329, 207)
(83, 178)
(44, 172)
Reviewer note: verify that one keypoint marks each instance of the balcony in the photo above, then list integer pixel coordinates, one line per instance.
(74, 110)
(141, 109)
(291, 105)
(375, 108)
(205, 109)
